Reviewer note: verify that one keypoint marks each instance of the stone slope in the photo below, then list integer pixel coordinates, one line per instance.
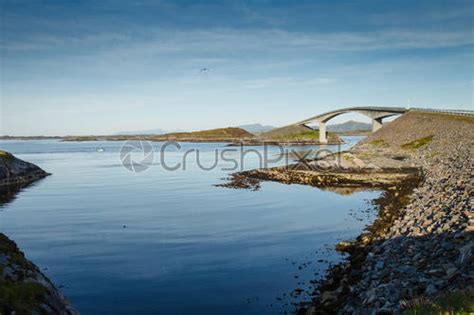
(427, 252)
(416, 125)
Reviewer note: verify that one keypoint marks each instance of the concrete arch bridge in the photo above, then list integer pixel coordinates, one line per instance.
(375, 113)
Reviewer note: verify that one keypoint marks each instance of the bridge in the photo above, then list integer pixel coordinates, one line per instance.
(376, 114)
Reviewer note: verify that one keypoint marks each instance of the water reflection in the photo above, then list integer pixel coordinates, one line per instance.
(345, 191)
(9, 193)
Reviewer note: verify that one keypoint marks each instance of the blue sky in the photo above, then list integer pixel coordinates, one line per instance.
(99, 67)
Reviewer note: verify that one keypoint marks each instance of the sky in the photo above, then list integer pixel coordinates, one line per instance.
(101, 67)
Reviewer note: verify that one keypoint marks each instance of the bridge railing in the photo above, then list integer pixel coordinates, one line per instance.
(468, 113)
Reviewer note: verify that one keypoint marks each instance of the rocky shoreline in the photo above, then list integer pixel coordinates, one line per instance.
(423, 255)
(24, 289)
(419, 251)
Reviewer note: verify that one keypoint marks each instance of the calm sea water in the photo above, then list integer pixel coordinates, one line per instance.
(162, 242)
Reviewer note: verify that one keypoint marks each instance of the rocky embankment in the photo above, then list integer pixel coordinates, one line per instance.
(427, 251)
(419, 252)
(24, 289)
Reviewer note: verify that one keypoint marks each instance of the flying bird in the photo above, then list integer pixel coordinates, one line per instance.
(203, 70)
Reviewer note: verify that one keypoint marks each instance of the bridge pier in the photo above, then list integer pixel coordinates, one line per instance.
(322, 133)
(376, 124)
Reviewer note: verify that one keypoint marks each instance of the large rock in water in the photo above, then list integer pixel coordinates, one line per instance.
(14, 171)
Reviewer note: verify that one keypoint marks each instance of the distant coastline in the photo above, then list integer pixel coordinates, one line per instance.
(236, 136)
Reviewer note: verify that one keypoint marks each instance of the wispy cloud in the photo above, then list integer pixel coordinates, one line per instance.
(288, 82)
(164, 41)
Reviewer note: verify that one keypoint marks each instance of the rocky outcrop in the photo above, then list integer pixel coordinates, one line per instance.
(14, 171)
(23, 288)
(377, 178)
(344, 169)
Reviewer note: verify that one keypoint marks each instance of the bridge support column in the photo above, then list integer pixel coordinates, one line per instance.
(322, 133)
(376, 124)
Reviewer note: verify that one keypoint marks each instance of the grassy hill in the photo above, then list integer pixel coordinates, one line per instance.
(295, 133)
(284, 132)
(214, 134)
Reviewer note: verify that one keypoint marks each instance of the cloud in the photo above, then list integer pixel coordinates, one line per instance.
(272, 82)
(150, 41)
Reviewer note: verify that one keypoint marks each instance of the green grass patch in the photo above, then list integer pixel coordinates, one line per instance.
(432, 154)
(462, 118)
(22, 297)
(418, 143)
(5, 155)
(454, 303)
(17, 295)
(307, 135)
(379, 143)
(221, 133)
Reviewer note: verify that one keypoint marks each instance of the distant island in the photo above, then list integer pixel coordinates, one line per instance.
(288, 135)
(213, 135)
